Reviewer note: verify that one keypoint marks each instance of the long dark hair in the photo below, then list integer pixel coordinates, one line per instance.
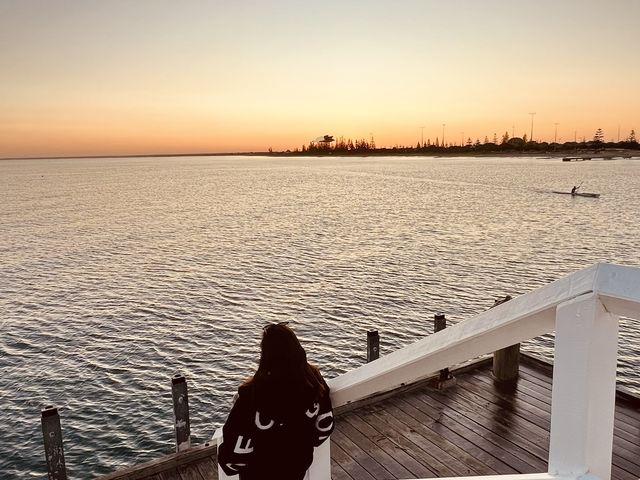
(283, 371)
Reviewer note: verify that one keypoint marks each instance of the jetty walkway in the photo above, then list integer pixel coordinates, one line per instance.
(476, 426)
(404, 415)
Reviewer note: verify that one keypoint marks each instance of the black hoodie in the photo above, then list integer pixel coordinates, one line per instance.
(272, 429)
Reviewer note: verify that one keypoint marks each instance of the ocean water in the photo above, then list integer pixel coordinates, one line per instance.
(117, 273)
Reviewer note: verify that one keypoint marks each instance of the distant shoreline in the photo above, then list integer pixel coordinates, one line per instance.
(607, 152)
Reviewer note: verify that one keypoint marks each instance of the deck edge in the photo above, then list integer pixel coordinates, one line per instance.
(164, 463)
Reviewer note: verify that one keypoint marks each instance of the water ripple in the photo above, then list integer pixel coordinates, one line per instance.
(116, 274)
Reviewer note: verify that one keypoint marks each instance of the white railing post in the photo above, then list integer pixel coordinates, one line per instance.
(217, 438)
(320, 469)
(583, 393)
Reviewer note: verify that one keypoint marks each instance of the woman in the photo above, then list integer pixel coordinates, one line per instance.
(280, 414)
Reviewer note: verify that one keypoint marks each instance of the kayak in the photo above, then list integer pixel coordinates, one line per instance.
(579, 194)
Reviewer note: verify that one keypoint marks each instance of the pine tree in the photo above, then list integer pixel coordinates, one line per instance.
(632, 137)
(505, 138)
(599, 136)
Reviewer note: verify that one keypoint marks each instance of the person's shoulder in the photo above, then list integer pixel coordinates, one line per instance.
(318, 373)
(245, 390)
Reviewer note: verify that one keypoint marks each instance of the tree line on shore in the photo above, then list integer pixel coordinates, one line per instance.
(507, 144)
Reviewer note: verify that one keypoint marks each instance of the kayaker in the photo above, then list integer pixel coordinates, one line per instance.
(574, 190)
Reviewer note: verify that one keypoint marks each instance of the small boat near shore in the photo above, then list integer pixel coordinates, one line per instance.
(578, 194)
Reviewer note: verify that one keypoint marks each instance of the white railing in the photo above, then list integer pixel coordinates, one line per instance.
(583, 309)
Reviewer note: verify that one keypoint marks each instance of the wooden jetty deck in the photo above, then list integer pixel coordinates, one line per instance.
(474, 427)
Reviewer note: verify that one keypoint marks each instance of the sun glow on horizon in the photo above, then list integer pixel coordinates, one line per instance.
(111, 78)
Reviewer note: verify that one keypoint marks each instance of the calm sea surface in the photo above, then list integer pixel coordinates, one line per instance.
(115, 274)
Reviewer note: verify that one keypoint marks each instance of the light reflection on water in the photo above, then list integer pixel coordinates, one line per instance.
(115, 274)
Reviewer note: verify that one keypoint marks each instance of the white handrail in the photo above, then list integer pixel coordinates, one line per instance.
(522, 318)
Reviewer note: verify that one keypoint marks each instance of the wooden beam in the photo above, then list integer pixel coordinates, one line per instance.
(168, 462)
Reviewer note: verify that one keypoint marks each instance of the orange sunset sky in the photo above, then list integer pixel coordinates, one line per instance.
(159, 76)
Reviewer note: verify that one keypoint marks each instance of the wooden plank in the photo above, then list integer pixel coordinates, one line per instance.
(623, 422)
(625, 410)
(406, 423)
(498, 446)
(367, 439)
(476, 465)
(503, 424)
(537, 375)
(518, 405)
(367, 462)
(513, 405)
(402, 453)
(189, 472)
(208, 469)
(455, 457)
(626, 465)
(618, 473)
(348, 464)
(454, 433)
(532, 360)
(515, 456)
(338, 473)
(535, 391)
(409, 439)
(171, 474)
(508, 413)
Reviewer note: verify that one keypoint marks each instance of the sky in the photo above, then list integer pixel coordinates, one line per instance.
(91, 77)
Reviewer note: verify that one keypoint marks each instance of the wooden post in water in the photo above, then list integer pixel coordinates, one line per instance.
(53, 451)
(181, 423)
(373, 345)
(506, 361)
(440, 323)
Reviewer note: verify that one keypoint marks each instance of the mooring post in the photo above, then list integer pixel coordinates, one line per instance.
(506, 361)
(53, 451)
(181, 412)
(373, 345)
(440, 323)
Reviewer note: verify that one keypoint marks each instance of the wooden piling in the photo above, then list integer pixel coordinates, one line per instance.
(506, 361)
(53, 451)
(373, 345)
(181, 424)
(440, 323)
